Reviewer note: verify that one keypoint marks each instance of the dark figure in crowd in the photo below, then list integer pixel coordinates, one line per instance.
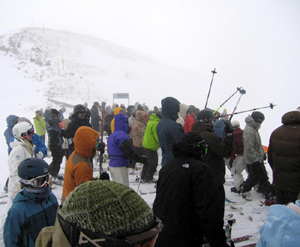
(102, 213)
(217, 149)
(11, 121)
(284, 158)
(168, 131)
(254, 156)
(95, 116)
(55, 141)
(187, 199)
(33, 208)
(78, 119)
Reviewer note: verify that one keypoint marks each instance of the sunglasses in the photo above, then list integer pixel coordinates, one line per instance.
(29, 132)
(40, 181)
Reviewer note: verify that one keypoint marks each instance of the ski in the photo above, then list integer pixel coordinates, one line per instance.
(3, 195)
(4, 202)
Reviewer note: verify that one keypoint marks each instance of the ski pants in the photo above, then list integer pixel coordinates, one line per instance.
(57, 156)
(119, 175)
(150, 167)
(238, 167)
(257, 174)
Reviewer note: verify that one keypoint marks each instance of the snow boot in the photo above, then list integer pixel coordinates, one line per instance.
(235, 190)
(247, 196)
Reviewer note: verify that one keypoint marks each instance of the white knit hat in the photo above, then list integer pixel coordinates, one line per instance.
(235, 123)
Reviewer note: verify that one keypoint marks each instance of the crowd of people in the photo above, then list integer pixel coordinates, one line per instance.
(196, 145)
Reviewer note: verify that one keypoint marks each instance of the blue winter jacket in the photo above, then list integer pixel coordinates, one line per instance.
(26, 218)
(37, 141)
(168, 131)
(114, 141)
(219, 129)
(281, 228)
(11, 121)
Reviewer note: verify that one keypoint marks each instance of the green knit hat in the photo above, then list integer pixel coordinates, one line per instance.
(106, 207)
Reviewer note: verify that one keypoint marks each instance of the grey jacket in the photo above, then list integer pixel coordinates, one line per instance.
(253, 149)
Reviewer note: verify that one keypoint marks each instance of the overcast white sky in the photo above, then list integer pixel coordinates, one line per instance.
(252, 43)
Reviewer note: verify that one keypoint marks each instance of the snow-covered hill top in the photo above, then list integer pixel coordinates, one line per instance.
(84, 69)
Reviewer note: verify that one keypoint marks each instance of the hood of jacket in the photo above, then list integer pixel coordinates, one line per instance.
(10, 120)
(153, 117)
(250, 121)
(117, 110)
(85, 140)
(182, 110)
(121, 123)
(170, 108)
(140, 116)
(292, 117)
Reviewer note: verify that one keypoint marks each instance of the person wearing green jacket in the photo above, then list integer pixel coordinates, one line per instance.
(151, 145)
(39, 124)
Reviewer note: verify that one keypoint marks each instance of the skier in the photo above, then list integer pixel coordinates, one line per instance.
(79, 167)
(187, 199)
(95, 116)
(78, 118)
(182, 114)
(151, 145)
(217, 150)
(254, 156)
(34, 207)
(55, 141)
(120, 150)
(189, 119)
(102, 213)
(236, 159)
(21, 150)
(168, 131)
(39, 124)
(284, 156)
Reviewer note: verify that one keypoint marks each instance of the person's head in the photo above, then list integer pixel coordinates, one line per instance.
(170, 108)
(190, 144)
(140, 107)
(258, 117)
(191, 110)
(108, 214)
(79, 111)
(55, 113)
(96, 104)
(23, 131)
(235, 124)
(62, 110)
(85, 141)
(206, 116)
(38, 113)
(34, 177)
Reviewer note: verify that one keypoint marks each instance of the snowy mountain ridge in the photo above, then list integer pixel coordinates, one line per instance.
(74, 66)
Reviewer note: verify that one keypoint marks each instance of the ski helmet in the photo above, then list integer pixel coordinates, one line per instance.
(79, 109)
(22, 129)
(206, 116)
(235, 123)
(258, 116)
(55, 113)
(34, 177)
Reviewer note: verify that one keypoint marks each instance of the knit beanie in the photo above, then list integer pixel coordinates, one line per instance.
(235, 123)
(107, 208)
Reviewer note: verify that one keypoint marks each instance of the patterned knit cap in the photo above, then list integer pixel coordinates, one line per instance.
(107, 208)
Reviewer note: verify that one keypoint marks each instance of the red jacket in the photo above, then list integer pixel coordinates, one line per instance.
(188, 123)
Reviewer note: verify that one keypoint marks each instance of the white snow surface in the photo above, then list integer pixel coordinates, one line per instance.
(38, 65)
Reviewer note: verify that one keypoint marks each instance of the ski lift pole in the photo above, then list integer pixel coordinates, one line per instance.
(242, 91)
(254, 109)
(237, 90)
(212, 79)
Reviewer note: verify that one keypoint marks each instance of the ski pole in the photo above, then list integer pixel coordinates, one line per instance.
(101, 154)
(212, 79)
(242, 91)
(271, 106)
(238, 89)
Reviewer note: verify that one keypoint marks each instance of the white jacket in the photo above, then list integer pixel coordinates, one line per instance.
(20, 151)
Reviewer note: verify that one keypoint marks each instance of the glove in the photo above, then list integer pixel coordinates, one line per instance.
(104, 176)
(228, 126)
(40, 155)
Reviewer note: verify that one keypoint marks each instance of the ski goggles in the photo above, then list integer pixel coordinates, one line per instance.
(78, 236)
(29, 132)
(81, 114)
(40, 181)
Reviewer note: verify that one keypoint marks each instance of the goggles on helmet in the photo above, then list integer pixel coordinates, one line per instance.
(29, 132)
(40, 181)
(81, 114)
(78, 236)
